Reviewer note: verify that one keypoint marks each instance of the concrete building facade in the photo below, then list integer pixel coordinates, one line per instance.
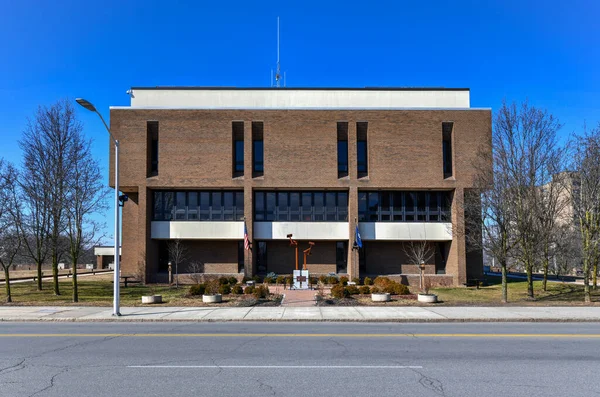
(203, 164)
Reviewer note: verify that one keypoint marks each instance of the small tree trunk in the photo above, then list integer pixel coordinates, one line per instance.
(545, 280)
(529, 282)
(595, 275)
(55, 274)
(7, 284)
(39, 276)
(504, 284)
(75, 291)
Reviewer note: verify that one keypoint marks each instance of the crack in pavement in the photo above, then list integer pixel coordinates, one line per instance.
(13, 366)
(430, 383)
(52, 382)
(266, 387)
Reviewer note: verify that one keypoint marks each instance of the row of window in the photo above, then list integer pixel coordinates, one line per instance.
(400, 206)
(237, 128)
(198, 206)
(301, 206)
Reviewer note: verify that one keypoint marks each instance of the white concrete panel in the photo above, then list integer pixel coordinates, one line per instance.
(301, 230)
(197, 230)
(106, 251)
(289, 98)
(405, 231)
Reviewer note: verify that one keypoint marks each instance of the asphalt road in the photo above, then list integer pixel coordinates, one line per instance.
(299, 359)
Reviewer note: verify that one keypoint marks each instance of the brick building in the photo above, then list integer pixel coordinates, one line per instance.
(200, 163)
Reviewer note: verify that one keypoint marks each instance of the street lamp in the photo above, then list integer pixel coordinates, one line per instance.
(117, 271)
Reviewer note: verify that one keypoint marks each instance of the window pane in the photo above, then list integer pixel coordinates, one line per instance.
(294, 207)
(385, 201)
(282, 206)
(319, 206)
(373, 206)
(306, 206)
(239, 156)
(258, 156)
(204, 206)
(158, 206)
(192, 206)
(228, 201)
(343, 157)
(271, 203)
(180, 200)
(362, 156)
(259, 206)
(168, 199)
(239, 205)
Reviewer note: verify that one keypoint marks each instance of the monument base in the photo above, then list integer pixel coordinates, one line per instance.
(301, 279)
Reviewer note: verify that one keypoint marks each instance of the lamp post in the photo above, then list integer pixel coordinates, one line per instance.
(117, 271)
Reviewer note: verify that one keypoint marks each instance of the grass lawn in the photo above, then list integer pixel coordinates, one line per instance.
(558, 294)
(98, 291)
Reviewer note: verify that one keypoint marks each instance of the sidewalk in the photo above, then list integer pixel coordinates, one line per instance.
(313, 313)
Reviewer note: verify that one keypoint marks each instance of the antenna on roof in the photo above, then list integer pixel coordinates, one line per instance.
(278, 71)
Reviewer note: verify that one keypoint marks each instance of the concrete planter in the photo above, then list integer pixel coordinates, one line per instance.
(384, 297)
(150, 299)
(216, 298)
(427, 298)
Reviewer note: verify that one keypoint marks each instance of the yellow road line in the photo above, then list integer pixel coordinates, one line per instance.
(278, 335)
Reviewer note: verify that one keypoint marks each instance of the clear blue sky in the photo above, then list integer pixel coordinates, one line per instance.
(546, 51)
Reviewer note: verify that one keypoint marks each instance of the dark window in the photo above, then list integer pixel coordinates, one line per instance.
(239, 206)
(259, 206)
(447, 148)
(168, 200)
(420, 206)
(204, 206)
(301, 206)
(194, 206)
(241, 256)
(294, 206)
(342, 149)
(362, 159)
(283, 206)
(373, 206)
(180, 206)
(228, 205)
(257, 149)
(398, 206)
(261, 257)
(237, 128)
(341, 256)
(152, 143)
(271, 206)
(362, 206)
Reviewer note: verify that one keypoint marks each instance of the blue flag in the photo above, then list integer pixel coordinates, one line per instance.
(357, 239)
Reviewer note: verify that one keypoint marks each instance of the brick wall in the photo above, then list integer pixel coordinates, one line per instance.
(300, 152)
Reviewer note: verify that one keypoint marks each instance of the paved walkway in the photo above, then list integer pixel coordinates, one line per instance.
(312, 313)
(298, 298)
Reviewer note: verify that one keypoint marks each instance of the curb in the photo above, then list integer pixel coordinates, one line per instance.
(397, 320)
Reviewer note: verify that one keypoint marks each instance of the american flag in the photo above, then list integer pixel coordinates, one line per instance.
(246, 242)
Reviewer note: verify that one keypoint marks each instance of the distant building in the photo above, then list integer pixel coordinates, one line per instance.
(199, 164)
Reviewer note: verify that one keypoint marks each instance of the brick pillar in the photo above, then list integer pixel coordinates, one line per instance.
(99, 261)
(249, 256)
(456, 264)
(353, 259)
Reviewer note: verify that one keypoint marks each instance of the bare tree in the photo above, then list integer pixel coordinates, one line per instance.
(47, 142)
(489, 208)
(586, 199)
(566, 253)
(177, 254)
(526, 138)
(196, 270)
(33, 223)
(419, 252)
(10, 239)
(86, 196)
